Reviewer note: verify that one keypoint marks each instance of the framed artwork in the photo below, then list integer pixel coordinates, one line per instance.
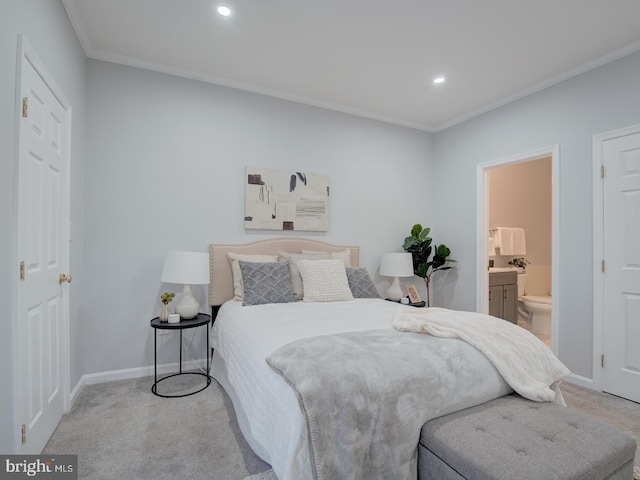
(412, 292)
(286, 200)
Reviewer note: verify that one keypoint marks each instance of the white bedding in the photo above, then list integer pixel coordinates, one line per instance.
(273, 425)
(267, 408)
(535, 374)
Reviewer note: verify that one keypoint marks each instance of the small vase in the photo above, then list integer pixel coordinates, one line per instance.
(164, 312)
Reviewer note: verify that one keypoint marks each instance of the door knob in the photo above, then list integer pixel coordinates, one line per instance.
(64, 278)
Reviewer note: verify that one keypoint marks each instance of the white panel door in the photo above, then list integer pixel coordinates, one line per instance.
(43, 246)
(621, 159)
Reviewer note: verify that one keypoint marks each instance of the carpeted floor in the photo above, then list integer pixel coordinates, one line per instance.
(615, 411)
(268, 475)
(121, 430)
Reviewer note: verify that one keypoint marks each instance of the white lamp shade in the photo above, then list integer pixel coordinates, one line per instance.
(396, 265)
(190, 268)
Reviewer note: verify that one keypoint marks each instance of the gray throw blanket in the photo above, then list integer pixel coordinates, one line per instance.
(365, 396)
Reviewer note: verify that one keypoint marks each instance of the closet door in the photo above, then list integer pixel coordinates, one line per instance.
(621, 161)
(42, 203)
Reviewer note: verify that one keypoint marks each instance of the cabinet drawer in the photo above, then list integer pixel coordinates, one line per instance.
(503, 278)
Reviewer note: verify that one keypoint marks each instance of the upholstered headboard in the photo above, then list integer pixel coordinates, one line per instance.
(221, 284)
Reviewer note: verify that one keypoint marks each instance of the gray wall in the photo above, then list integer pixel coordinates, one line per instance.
(48, 30)
(166, 171)
(567, 114)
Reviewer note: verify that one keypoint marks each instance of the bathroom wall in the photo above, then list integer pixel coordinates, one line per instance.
(520, 196)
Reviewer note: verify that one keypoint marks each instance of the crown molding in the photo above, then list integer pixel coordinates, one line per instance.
(90, 52)
(598, 62)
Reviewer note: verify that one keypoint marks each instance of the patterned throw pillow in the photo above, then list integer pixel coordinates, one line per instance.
(324, 281)
(360, 283)
(233, 257)
(293, 258)
(266, 283)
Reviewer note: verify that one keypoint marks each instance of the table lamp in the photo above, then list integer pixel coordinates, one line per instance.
(188, 268)
(396, 265)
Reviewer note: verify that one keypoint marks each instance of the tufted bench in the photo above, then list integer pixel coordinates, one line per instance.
(512, 438)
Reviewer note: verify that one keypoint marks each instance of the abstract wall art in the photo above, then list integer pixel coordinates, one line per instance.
(286, 200)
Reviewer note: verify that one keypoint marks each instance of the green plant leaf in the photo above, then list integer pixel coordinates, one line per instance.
(424, 234)
(408, 243)
(443, 251)
(439, 269)
(422, 270)
(416, 230)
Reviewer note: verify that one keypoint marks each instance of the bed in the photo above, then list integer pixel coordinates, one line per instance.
(266, 355)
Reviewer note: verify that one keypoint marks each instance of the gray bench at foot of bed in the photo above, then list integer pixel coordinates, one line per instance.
(512, 438)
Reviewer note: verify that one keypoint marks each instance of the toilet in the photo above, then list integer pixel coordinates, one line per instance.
(533, 310)
(539, 309)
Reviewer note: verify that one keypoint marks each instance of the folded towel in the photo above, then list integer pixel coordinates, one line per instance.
(519, 247)
(506, 240)
(492, 247)
(511, 240)
(497, 240)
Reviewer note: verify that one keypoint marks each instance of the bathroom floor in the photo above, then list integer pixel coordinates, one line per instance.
(545, 338)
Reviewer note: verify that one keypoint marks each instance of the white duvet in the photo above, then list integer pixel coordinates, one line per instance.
(536, 373)
(267, 408)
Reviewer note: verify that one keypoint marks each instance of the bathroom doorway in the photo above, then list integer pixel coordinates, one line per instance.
(521, 192)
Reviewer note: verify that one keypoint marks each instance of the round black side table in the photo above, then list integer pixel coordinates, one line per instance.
(201, 319)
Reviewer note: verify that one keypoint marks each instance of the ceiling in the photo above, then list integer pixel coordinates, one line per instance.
(372, 58)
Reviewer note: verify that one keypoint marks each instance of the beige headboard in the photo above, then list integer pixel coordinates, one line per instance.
(221, 284)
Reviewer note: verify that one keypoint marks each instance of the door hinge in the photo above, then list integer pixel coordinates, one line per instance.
(22, 272)
(601, 171)
(24, 434)
(602, 361)
(25, 106)
(602, 265)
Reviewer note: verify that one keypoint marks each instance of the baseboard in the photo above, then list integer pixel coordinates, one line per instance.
(581, 381)
(129, 373)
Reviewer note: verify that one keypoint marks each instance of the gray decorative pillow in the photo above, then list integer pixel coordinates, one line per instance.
(360, 283)
(266, 283)
(293, 258)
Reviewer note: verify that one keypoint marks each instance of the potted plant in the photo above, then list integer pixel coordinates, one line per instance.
(520, 262)
(165, 299)
(419, 245)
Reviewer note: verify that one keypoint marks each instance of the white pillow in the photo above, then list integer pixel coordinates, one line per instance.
(238, 288)
(296, 279)
(324, 281)
(344, 255)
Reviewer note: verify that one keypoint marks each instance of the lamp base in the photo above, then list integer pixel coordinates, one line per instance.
(187, 307)
(395, 290)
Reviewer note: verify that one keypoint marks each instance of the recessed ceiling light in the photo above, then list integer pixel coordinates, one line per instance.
(224, 10)
(439, 80)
